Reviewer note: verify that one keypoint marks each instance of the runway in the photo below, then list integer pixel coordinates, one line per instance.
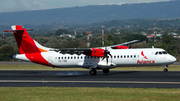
(125, 79)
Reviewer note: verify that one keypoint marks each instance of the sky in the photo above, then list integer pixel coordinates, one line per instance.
(23, 5)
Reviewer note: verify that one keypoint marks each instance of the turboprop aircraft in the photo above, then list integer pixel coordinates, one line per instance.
(103, 58)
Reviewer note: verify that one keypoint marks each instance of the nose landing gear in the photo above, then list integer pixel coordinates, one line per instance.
(165, 68)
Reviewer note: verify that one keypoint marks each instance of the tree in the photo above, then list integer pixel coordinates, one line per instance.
(167, 39)
(6, 53)
(61, 32)
(109, 39)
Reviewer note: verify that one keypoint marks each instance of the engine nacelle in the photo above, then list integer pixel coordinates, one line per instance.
(96, 52)
(120, 47)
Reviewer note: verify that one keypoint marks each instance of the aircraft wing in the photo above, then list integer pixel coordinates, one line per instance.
(126, 43)
(97, 52)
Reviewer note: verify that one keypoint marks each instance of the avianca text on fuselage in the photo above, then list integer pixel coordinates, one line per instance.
(104, 58)
(145, 60)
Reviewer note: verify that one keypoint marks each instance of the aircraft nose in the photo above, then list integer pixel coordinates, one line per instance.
(173, 59)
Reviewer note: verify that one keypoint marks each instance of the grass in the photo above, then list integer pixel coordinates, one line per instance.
(87, 94)
(41, 67)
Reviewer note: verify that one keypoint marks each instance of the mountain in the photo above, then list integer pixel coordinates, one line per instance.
(93, 13)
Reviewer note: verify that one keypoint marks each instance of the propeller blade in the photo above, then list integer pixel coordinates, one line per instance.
(103, 58)
(107, 60)
(110, 55)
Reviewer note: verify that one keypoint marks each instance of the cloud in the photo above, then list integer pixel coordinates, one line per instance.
(22, 5)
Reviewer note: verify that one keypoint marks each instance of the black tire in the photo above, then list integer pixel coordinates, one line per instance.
(105, 70)
(165, 70)
(93, 72)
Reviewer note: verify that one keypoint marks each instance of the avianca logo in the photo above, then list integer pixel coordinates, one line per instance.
(143, 55)
(146, 62)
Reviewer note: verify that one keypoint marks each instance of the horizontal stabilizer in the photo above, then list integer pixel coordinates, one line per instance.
(16, 30)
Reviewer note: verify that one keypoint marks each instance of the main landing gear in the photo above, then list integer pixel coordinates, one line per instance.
(94, 72)
(105, 71)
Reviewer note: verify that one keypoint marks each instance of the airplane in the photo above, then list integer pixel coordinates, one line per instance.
(100, 58)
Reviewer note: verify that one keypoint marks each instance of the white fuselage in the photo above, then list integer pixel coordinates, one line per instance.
(120, 57)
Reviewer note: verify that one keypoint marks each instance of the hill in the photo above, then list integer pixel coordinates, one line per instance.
(93, 13)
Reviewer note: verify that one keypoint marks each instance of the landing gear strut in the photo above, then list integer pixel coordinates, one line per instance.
(93, 72)
(105, 71)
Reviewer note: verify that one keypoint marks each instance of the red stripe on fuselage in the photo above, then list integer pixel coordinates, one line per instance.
(37, 58)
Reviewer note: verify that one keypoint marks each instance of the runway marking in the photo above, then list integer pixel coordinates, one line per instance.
(120, 82)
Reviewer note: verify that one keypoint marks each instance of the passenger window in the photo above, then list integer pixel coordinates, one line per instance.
(131, 56)
(114, 56)
(59, 57)
(118, 56)
(160, 53)
(124, 56)
(74, 57)
(134, 56)
(71, 57)
(128, 56)
(68, 57)
(81, 57)
(62, 57)
(121, 56)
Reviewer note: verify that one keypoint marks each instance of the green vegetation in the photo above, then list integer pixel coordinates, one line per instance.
(116, 32)
(87, 94)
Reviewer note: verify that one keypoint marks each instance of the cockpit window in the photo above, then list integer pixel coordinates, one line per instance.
(160, 53)
(164, 52)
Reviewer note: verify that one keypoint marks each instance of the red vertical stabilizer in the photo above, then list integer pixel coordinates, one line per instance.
(25, 43)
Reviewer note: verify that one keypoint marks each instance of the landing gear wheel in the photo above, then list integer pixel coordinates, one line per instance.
(105, 70)
(165, 70)
(93, 72)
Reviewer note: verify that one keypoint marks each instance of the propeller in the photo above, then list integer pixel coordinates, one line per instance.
(106, 53)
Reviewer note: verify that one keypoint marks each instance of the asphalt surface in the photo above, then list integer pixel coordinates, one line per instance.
(125, 79)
